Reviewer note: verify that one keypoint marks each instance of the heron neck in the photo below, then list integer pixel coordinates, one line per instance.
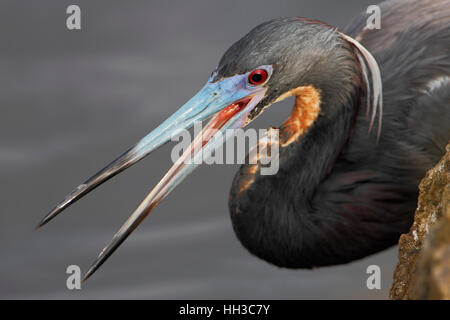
(308, 161)
(283, 203)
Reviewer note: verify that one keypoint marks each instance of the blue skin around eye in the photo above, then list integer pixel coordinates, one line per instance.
(213, 97)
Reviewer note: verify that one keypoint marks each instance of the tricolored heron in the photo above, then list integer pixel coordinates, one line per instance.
(343, 191)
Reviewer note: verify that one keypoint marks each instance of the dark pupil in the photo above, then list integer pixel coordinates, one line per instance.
(257, 78)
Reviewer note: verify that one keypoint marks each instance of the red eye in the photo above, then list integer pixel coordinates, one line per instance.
(257, 77)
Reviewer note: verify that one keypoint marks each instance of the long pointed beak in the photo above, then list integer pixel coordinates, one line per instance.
(227, 102)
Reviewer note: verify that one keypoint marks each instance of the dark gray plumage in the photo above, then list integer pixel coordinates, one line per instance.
(340, 195)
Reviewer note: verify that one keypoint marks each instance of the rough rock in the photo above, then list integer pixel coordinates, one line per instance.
(423, 270)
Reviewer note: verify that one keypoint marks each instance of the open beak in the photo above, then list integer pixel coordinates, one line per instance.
(227, 102)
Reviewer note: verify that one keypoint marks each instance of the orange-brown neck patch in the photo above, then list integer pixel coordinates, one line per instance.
(305, 111)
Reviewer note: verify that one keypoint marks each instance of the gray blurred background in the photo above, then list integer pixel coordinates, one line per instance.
(71, 101)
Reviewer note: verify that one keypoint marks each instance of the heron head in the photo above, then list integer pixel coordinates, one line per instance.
(295, 53)
(277, 59)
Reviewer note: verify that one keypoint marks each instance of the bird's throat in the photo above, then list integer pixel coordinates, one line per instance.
(304, 113)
